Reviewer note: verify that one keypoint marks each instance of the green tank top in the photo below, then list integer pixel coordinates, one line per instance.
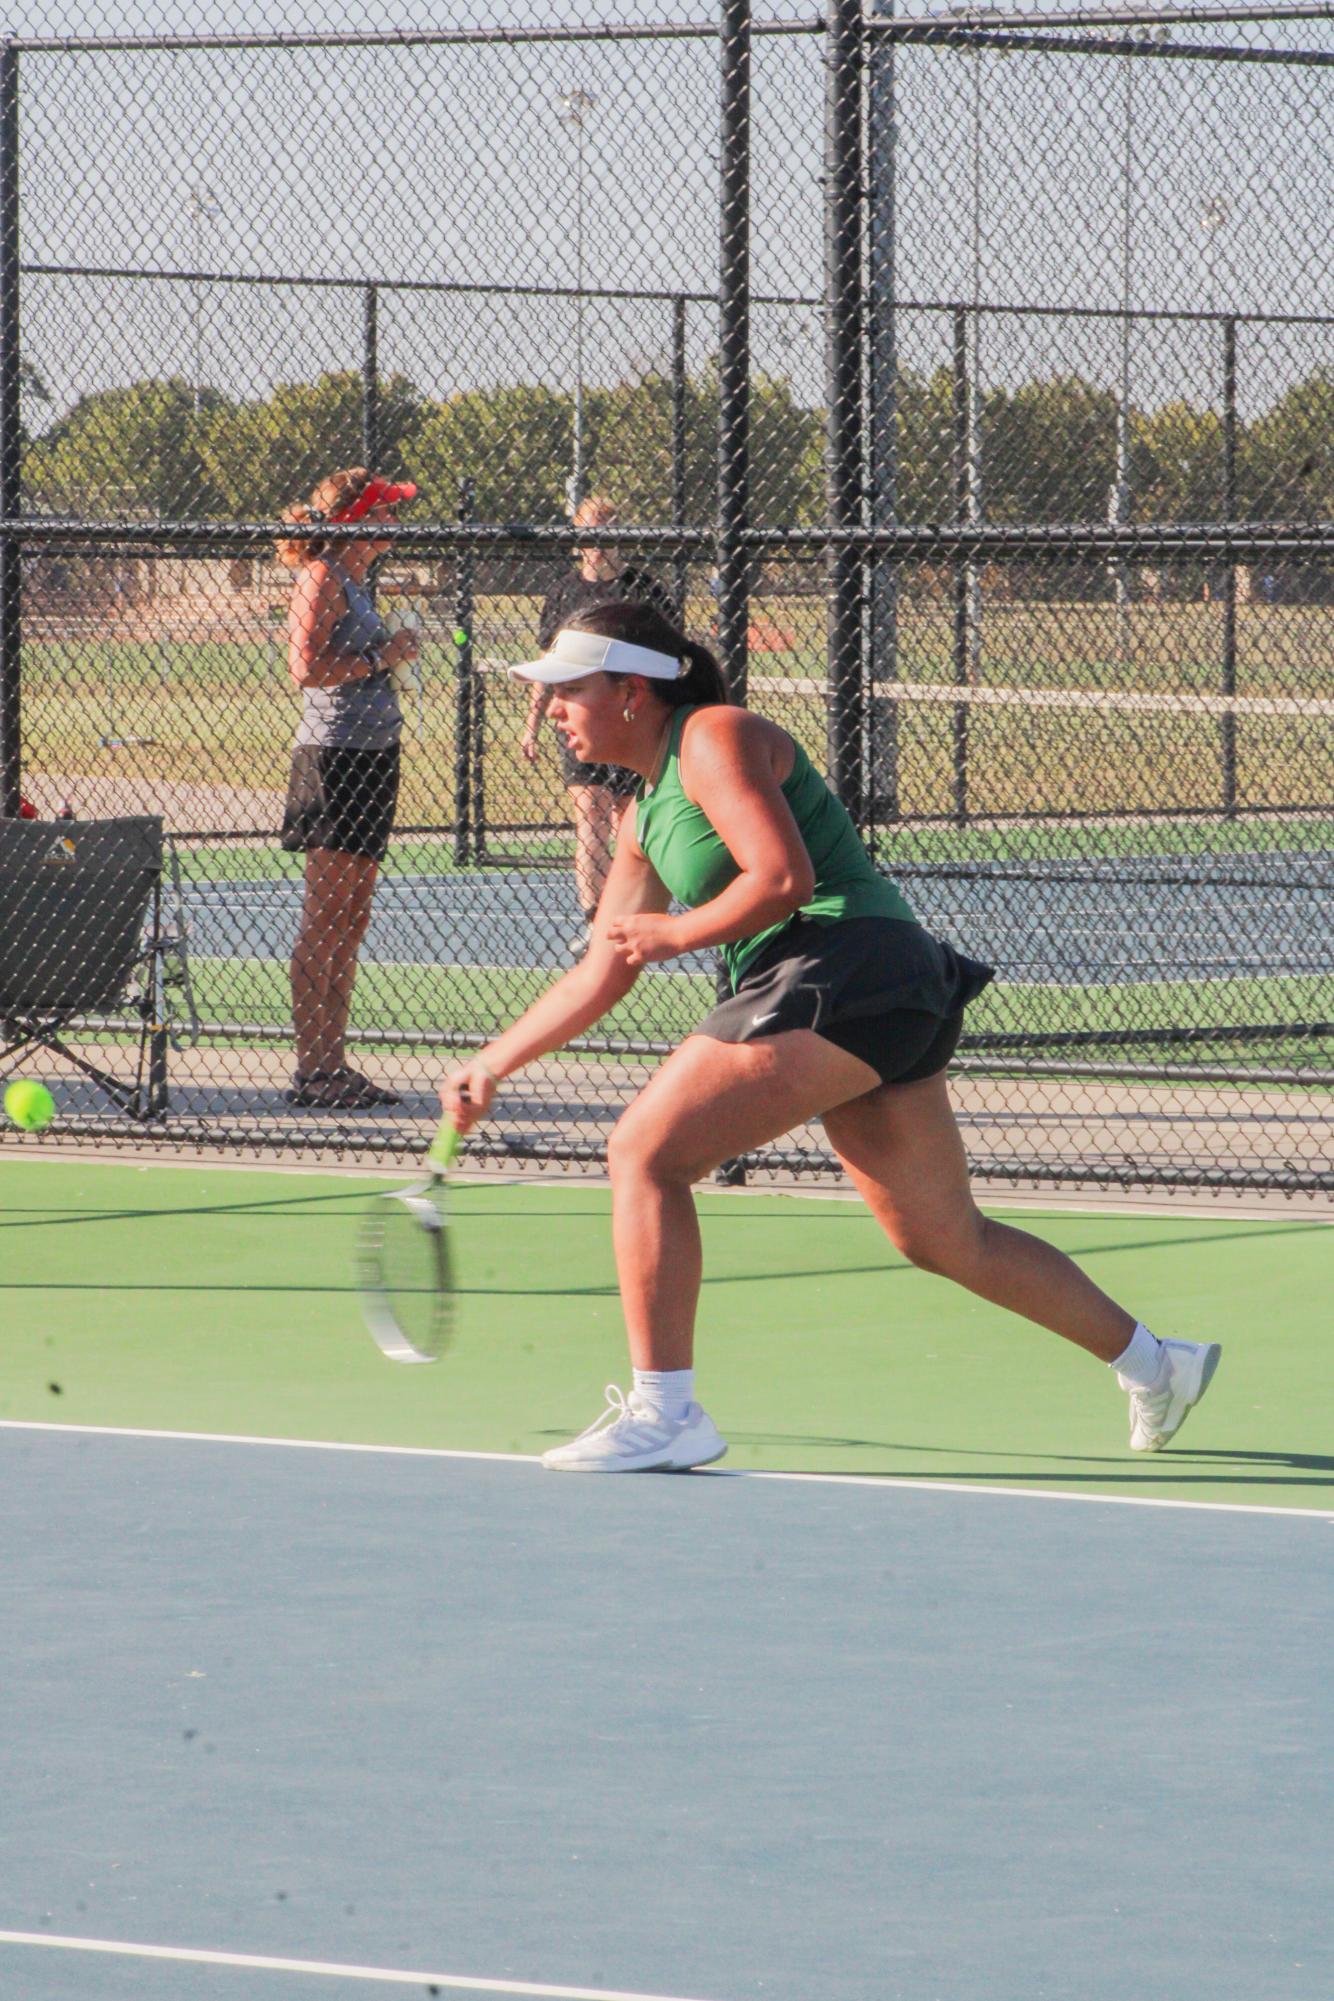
(693, 863)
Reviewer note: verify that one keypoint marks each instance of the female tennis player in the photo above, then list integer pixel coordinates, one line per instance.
(344, 782)
(843, 1009)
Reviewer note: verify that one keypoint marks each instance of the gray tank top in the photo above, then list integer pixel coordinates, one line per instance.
(361, 715)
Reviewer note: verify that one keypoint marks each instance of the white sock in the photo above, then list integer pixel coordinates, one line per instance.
(1142, 1359)
(668, 1391)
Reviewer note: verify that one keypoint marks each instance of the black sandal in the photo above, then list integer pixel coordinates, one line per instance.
(338, 1091)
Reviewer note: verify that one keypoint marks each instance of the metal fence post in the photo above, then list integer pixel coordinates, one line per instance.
(11, 442)
(882, 457)
(1229, 721)
(844, 207)
(680, 563)
(477, 785)
(370, 377)
(463, 687)
(962, 567)
(734, 560)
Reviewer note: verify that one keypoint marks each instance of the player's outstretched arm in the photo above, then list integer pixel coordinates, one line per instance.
(577, 1000)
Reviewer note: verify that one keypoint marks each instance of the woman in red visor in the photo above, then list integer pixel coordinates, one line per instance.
(345, 764)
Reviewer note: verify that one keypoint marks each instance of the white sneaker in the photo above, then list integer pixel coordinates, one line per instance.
(1157, 1415)
(632, 1437)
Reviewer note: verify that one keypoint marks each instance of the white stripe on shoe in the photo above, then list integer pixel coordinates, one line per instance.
(1157, 1414)
(632, 1437)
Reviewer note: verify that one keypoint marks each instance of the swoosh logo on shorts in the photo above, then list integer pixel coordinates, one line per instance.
(758, 1020)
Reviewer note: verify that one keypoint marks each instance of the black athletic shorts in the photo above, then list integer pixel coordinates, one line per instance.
(880, 987)
(611, 777)
(341, 799)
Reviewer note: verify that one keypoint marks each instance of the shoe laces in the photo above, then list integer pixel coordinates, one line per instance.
(622, 1410)
(1152, 1404)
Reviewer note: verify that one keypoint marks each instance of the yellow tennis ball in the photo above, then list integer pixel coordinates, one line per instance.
(30, 1105)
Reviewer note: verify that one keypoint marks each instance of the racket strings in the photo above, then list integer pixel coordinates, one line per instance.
(406, 1265)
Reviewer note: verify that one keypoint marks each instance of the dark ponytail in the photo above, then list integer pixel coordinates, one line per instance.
(640, 624)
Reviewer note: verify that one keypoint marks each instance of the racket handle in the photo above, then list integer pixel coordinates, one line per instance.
(444, 1146)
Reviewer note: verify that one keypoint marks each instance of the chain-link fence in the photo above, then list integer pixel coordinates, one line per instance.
(966, 382)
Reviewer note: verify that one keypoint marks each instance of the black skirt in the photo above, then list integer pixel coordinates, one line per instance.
(341, 799)
(880, 987)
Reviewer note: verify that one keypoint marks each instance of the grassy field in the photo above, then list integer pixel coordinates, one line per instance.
(1281, 649)
(1019, 762)
(177, 714)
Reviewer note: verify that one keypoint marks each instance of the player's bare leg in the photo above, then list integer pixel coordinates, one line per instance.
(901, 1147)
(710, 1101)
(334, 915)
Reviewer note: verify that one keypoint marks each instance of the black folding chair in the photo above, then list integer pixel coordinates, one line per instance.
(84, 941)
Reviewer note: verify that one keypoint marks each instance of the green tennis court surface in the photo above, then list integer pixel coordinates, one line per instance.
(222, 1300)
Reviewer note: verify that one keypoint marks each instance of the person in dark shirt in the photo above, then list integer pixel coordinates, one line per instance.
(599, 793)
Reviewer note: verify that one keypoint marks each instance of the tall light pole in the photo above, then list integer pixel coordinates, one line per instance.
(1213, 221)
(972, 494)
(1118, 509)
(203, 208)
(1118, 501)
(974, 447)
(575, 106)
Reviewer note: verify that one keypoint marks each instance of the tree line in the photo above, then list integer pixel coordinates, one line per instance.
(166, 449)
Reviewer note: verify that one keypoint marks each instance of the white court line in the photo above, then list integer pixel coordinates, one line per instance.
(722, 1473)
(289, 1444)
(387, 1975)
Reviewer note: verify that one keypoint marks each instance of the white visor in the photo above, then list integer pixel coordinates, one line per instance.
(571, 655)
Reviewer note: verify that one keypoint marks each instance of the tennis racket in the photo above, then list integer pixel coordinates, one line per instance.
(405, 1272)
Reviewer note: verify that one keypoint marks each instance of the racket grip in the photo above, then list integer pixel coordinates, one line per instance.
(444, 1146)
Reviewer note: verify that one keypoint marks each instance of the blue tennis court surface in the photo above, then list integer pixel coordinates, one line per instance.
(712, 1737)
(1122, 919)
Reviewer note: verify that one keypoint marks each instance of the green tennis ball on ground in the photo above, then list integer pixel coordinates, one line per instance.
(29, 1105)
(460, 636)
